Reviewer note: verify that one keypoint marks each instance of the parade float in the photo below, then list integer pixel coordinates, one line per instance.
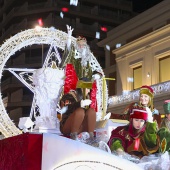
(43, 146)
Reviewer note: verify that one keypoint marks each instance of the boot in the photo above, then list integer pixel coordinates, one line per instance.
(91, 139)
(91, 135)
(73, 136)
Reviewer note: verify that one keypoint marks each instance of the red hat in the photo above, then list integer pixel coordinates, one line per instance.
(81, 38)
(147, 90)
(139, 114)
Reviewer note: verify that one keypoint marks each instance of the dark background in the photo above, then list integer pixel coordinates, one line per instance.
(142, 5)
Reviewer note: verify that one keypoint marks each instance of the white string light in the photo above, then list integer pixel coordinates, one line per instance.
(27, 38)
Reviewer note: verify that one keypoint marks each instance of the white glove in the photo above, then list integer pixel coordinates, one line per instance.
(85, 102)
(61, 110)
(96, 76)
(150, 117)
(107, 116)
(69, 30)
(120, 152)
(64, 109)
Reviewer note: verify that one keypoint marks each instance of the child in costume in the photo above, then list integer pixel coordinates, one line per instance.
(146, 95)
(138, 138)
(78, 117)
(166, 121)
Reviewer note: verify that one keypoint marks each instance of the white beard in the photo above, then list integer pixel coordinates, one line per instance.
(84, 54)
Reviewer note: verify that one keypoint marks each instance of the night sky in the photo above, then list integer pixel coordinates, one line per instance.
(142, 5)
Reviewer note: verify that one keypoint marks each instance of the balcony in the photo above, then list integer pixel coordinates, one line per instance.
(161, 92)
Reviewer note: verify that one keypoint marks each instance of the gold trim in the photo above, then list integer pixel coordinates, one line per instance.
(83, 84)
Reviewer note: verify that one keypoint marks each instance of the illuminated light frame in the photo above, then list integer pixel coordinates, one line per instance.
(43, 36)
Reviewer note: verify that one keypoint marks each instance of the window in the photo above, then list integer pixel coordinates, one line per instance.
(137, 77)
(164, 69)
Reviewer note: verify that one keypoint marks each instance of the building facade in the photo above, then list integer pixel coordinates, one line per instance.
(139, 55)
(87, 18)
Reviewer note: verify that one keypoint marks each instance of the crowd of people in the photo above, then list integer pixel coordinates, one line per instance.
(146, 132)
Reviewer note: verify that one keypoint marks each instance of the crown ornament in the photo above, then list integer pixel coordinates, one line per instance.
(81, 38)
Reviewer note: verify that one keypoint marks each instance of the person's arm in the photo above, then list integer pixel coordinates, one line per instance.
(116, 145)
(69, 32)
(150, 135)
(68, 51)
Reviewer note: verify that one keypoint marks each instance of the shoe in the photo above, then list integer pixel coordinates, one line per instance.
(74, 136)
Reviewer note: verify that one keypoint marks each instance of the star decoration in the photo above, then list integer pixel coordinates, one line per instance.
(26, 75)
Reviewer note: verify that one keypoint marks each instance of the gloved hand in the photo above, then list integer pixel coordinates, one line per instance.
(120, 152)
(61, 110)
(107, 116)
(96, 76)
(64, 109)
(150, 117)
(85, 102)
(69, 30)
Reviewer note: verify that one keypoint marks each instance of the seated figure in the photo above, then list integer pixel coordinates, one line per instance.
(78, 116)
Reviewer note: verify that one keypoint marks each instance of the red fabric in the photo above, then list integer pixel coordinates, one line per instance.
(71, 79)
(148, 87)
(136, 146)
(133, 132)
(147, 90)
(139, 114)
(22, 152)
(93, 96)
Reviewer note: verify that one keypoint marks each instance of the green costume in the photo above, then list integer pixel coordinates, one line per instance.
(164, 131)
(125, 137)
(165, 122)
(164, 135)
(69, 57)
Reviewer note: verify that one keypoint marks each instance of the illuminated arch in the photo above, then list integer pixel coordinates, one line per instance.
(28, 38)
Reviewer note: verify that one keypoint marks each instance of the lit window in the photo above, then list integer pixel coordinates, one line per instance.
(137, 77)
(164, 69)
(74, 2)
(98, 35)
